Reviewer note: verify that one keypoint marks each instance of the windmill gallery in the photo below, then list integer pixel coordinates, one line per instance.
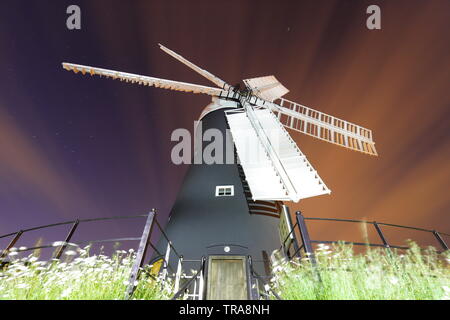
(229, 210)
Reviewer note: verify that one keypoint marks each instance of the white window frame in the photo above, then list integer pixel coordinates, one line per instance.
(229, 188)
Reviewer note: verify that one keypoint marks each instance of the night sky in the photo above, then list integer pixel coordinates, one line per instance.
(80, 147)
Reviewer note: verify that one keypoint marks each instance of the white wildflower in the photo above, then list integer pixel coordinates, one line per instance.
(21, 267)
(372, 282)
(295, 263)
(446, 293)
(393, 280)
(23, 286)
(70, 253)
(82, 252)
(277, 269)
(66, 292)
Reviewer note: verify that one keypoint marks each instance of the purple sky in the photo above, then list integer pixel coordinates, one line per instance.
(76, 147)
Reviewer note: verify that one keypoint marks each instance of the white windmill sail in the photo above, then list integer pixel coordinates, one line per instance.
(267, 88)
(274, 166)
(144, 80)
(324, 127)
(272, 208)
(208, 75)
(263, 180)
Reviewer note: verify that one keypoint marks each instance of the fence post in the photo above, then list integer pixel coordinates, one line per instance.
(178, 275)
(305, 237)
(266, 261)
(440, 240)
(380, 233)
(287, 217)
(11, 244)
(69, 236)
(140, 255)
(201, 283)
(166, 263)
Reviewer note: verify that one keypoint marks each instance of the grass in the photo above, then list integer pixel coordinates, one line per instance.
(385, 274)
(85, 277)
(379, 274)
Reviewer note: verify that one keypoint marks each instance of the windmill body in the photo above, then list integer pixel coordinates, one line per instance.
(233, 206)
(200, 218)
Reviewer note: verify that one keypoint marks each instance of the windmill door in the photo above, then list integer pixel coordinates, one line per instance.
(227, 278)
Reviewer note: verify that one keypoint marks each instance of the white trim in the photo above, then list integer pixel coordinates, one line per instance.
(224, 191)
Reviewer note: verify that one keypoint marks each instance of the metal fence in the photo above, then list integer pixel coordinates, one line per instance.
(300, 228)
(307, 243)
(144, 243)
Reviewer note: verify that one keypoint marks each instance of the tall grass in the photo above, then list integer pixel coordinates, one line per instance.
(84, 277)
(340, 274)
(378, 274)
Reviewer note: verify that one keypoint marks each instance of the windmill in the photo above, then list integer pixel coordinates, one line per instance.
(222, 204)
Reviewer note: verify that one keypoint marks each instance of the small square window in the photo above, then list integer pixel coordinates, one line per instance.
(224, 191)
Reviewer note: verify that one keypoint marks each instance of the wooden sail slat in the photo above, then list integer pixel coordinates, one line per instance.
(324, 127)
(144, 80)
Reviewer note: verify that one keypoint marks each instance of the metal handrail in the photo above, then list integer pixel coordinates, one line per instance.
(63, 244)
(167, 238)
(289, 234)
(71, 222)
(189, 282)
(359, 244)
(372, 222)
(145, 242)
(307, 242)
(264, 282)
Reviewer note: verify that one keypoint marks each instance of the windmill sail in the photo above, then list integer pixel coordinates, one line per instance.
(262, 207)
(144, 80)
(208, 75)
(324, 127)
(274, 166)
(267, 88)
